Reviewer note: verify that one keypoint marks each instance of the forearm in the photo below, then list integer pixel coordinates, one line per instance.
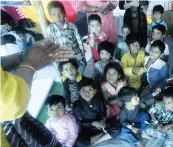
(169, 126)
(128, 5)
(153, 117)
(89, 9)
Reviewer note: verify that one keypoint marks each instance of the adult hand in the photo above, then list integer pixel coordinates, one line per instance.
(45, 52)
(135, 70)
(98, 125)
(134, 130)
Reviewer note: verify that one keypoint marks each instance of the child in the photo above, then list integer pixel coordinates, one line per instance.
(156, 69)
(61, 124)
(158, 11)
(162, 117)
(96, 35)
(90, 113)
(114, 80)
(106, 51)
(70, 81)
(158, 32)
(122, 46)
(132, 118)
(63, 32)
(133, 61)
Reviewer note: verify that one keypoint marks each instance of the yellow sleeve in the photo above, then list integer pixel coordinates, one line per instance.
(124, 62)
(15, 95)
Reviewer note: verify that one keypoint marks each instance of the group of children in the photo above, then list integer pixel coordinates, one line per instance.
(112, 103)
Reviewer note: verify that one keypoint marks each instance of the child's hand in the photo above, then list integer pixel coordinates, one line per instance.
(98, 125)
(91, 41)
(134, 130)
(164, 129)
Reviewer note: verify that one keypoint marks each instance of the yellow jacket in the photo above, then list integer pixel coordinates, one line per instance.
(14, 100)
(128, 63)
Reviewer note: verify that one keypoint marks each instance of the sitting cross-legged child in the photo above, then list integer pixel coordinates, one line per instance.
(162, 117)
(114, 80)
(132, 118)
(106, 51)
(122, 47)
(62, 125)
(70, 81)
(90, 113)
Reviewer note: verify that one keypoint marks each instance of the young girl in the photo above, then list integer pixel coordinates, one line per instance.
(114, 80)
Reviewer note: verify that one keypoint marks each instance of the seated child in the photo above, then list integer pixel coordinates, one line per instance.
(96, 35)
(158, 11)
(114, 80)
(156, 69)
(158, 32)
(70, 81)
(133, 61)
(90, 113)
(62, 125)
(162, 117)
(132, 118)
(106, 50)
(64, 33)
(122, 46)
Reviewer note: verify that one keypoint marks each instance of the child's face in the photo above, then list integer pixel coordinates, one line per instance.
(134, 47)
(154, 53)
(168, 103)
(87, 93)
(112, 76)
(135, 100)
(105, 56)
(156, 35)
(157, 15)
(56, 14)
(125, 31)
(57, 110)
(95, 27)
(69, 71)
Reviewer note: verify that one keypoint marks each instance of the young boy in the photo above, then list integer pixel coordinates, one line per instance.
(106, 51)
(96, 35)
(70, 81)
(132, 118)
(62, 125)
(158, 11)
(133, 61)
(63, 32)
(122, 46)
(156, 69)
(162, 117)
(158, 32)
(90, 113)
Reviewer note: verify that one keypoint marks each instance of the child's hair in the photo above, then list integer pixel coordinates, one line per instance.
(126, 26)
(72, 61)
(115, 66)
(131, 38)
(159, 44)
(160, 27)
(168, 92)
(8, 38)
(54, 100)
(107, 46)
(158, 8)
(56, 4)
(126, 93)
(87, 82)
(94, 17)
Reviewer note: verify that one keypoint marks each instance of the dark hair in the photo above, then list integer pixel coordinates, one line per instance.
(168, 92)
(72, 61)
(131, 38)
(87, 82)
(55, 99)
(126, 93)
(158, 8)
(160, 44)
(8, 38)
(160, 27)
(115, 66)
(107, 46)
(126, 26)
(94, 17)
(56, 4)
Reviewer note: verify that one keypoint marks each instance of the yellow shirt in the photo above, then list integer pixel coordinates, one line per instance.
(128, 63)
(14, 100)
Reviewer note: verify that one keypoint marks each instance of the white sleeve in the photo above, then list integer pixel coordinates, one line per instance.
(147, 48)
